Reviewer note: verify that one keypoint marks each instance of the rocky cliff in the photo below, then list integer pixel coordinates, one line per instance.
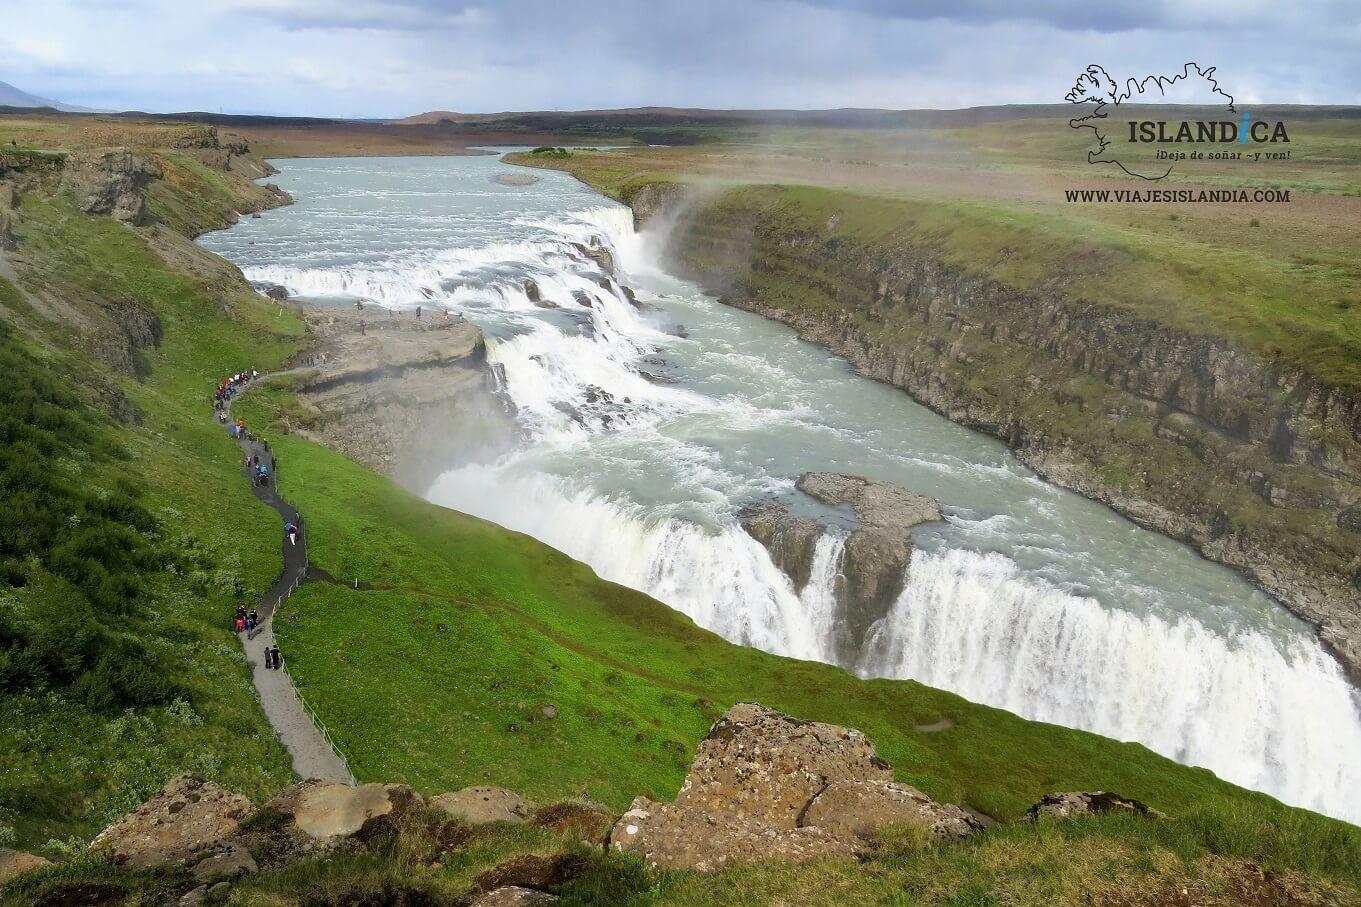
(148, 188)
(392, 396)
(876, 552)
(1256, 465)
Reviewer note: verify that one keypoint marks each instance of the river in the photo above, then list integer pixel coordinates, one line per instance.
(644, 432)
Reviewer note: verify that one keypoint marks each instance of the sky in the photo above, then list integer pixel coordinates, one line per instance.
(391, 58)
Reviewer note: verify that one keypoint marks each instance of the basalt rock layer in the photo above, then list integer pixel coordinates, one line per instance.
(1254, 463)
(876, 552)
(392, 393)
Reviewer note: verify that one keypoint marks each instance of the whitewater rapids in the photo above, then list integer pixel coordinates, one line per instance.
(647, 429)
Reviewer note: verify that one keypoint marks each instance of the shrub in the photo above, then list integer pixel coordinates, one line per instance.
(84, 551)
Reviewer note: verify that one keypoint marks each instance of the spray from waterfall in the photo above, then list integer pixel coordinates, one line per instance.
(642, 445)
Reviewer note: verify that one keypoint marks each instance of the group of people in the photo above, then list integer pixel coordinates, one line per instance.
(229, 388)
(364, 323)
(259, 467)
(246, 620)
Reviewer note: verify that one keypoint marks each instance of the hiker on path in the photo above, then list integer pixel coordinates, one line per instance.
(250, 627)
(418, 313)
(292, 532)
(278, 658)
(240, 624)
(363, 325)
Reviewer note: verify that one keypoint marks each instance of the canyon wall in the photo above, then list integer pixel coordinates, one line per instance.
(1256, 465)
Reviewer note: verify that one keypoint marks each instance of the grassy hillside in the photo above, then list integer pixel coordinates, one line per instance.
(432, 670)
(116, 665)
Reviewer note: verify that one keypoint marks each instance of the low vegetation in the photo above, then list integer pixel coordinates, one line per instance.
(448, 651)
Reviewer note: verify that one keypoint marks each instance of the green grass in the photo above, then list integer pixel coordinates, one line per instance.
(433, 675)
(65, 770)
(432, 679)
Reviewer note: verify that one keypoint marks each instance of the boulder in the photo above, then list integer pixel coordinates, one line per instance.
(514, 896)
(326, 811)
(671, 836)
(479, 805)
(763, 764)
(14, 863)
(317, 817)
(765, 786)
(188, 818)
(277, 293)
(1084, 803)
(863, 808)
(598, 254)
(229, 862)
(532, 292)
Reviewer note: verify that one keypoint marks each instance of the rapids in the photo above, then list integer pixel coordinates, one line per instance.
(644, 431)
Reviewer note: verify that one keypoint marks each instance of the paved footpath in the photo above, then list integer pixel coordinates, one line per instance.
(313, 755)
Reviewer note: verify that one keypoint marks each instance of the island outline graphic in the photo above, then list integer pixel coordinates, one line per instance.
(1096, 86)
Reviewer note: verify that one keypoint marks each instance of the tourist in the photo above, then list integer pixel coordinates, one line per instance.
(418, 313)
(240, 624)
(363, 325)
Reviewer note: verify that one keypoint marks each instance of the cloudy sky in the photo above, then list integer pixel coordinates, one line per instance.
(381, 58)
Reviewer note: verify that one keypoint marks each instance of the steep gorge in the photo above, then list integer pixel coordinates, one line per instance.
(1255, 464)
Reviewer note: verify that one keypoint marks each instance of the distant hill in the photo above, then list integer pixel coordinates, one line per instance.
(15, 97)
(844, 118)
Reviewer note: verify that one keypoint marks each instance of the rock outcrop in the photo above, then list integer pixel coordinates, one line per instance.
(479, 805)
(765, 786)
(189, 818)
(876, 554)
(110, 182)
(14, 863)
(791, 540)
(1091, 803)
(391, 396)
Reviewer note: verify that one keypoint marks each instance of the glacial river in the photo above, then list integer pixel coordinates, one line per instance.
(646, 431)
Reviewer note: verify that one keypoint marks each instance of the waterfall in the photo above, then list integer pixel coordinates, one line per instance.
(1280, 719)
(621, 470)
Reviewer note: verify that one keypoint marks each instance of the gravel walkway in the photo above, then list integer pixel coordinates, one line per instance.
(313, 755)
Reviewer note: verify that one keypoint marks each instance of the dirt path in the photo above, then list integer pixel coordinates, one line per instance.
(313, 755)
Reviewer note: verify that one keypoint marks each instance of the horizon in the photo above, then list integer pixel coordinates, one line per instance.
(388, 59)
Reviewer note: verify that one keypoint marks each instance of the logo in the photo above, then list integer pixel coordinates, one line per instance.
(1124, 143)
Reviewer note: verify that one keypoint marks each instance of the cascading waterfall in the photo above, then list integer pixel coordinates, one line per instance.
(643, 445)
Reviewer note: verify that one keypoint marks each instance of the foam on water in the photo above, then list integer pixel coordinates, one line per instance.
(641, 446)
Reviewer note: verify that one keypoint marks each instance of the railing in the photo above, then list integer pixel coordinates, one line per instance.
(298, 580)
(320, 725)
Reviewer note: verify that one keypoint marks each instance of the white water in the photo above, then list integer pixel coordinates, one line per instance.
(1029, 598)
